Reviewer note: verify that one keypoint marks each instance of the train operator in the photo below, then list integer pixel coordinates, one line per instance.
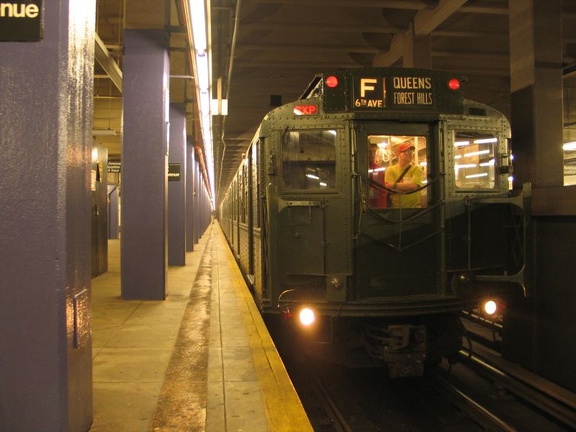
(404, 177)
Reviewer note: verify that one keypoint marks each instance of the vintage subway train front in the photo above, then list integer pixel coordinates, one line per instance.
(323, 229)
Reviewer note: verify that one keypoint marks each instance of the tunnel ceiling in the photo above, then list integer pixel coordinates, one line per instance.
(266, 50)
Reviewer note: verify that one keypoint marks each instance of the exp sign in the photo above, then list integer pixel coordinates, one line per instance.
(306, 109)
(21, 20)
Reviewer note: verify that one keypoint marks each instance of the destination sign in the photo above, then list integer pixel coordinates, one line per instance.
(373, 93)
(21, 21)
(391, 92)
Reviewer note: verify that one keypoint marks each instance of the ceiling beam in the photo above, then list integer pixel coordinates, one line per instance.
(320, 27)
(390, 4)
(105, 60)
(425, 22)
(309, 47)
(378, 4)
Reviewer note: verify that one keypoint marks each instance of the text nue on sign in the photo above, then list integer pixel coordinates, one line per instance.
(21, 21)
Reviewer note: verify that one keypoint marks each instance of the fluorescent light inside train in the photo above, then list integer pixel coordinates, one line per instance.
(478, 141)
(476, 153)
(380, 169)
(486, 141)
(569, 146)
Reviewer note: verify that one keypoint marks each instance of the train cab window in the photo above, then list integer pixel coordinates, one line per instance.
(474, 160)
(400, 161)
(309, 160)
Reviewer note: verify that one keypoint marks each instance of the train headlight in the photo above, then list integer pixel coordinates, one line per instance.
(490, 307)
(307, 317)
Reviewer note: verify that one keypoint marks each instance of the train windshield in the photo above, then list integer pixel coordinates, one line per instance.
(397, 171)
(309, 160)
(474, 160)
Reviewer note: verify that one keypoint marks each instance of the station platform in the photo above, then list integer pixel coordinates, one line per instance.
(201, 360)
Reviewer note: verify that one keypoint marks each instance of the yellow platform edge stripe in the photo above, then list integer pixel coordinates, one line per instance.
(284, 409)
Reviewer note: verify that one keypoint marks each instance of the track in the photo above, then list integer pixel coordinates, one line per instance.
(503, 397)
(480, 392)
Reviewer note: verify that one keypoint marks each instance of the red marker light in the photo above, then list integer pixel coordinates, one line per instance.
(332, 81)
(454, 84)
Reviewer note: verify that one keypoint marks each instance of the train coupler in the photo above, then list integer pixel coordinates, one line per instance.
(401, 347)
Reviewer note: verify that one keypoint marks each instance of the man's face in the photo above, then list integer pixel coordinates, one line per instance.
(406, 154)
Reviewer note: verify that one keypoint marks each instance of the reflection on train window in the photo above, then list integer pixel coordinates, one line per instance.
(474, 160)
(382, 153)
(309, 160)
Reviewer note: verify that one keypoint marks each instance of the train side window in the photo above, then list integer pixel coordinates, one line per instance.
(475, 160)
(309, 160)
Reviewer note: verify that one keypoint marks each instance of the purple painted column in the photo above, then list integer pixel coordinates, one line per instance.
(177, 186)
(46, 90)
(144, 165)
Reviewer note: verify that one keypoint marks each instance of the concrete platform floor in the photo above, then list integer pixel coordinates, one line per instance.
(201, 360)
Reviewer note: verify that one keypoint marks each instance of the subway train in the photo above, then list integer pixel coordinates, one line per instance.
(374, 209)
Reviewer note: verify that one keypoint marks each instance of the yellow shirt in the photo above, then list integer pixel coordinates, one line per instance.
(413, 175)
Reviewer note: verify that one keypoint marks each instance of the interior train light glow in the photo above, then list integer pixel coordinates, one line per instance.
(307, 317)
(490, 307)
(486, 141)
(476, 153)
(454, 84)
(380, 169)
(332, 81)
(491, 162)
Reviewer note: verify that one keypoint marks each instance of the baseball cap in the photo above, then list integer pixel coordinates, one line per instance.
(403, 147)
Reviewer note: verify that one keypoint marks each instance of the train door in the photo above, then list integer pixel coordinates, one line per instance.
(398, 209)
(313, 218)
